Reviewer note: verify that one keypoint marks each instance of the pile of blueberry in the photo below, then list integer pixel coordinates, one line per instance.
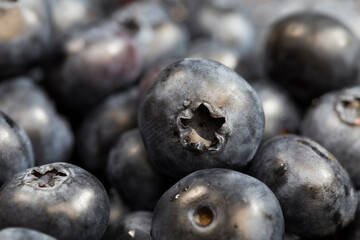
(179, 119)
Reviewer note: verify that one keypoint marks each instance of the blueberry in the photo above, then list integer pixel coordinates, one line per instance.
(314, 191)
(24, 35)
(103, 126)
(110, 58)
(282, 115)
(130, 172)
(218, 204)
(156, 36)
(59, 199)
(16, 152)
(32, 110)
(334, 122)
(23, 234)
(311, 53)
(134, 226)
(200, 114)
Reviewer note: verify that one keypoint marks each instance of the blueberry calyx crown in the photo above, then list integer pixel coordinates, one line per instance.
(201, 127)
(131, 24)
(203, 216)
(347, 108)
(46, 176)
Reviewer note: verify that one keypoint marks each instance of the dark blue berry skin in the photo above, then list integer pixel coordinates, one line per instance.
(210, 49)
(150, 75)
(67, 16)
(23, 234)
(334, 122)
(200, 114)
(104, 125)
(310, 53)
(353, 231)
(112, 5)
(16, 152)
(118, 210)
(264, 14)
(59, 199)
(282, 115)
(25, 35)
(134, 226)
(110, 58)
(182, 11)
(155, 35)
(32, 110)
(347, 12)
(224, 24)
(129, 171)
(218, 204)
(289, 236)
(315, 193)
